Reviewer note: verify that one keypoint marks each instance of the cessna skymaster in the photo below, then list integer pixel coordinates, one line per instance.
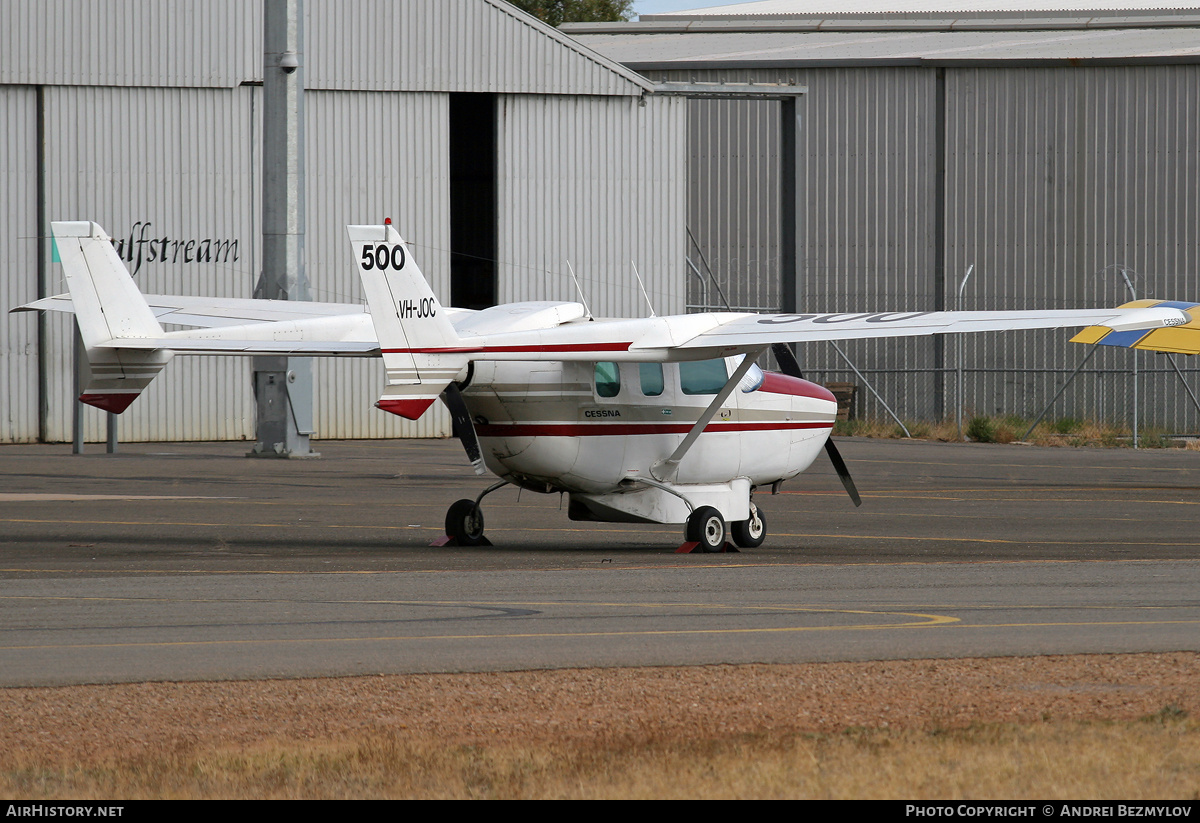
(653, 420)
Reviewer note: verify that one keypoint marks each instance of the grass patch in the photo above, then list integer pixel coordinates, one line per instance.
(1067, 431)
(1051, 760)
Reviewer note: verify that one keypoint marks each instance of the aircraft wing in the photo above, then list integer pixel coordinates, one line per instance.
(1182, 339)
(214, 312)
(425, 346)
(748, 332)
(700, 336)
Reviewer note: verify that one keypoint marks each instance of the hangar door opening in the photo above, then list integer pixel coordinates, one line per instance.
(473, 222)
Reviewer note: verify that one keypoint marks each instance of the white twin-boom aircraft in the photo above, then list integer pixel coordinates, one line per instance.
(655, 420)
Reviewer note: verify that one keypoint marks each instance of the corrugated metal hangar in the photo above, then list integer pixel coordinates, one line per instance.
(1050, 150)
(1057, 152)
(146, 117)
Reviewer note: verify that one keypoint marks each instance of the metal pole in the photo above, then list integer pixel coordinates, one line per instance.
(871, 389)
(1133, 296)
(77, 386)
(1083, 363)
(283, 387)
(960, 356)
(712, 277)
(1135, 398)
(1183, 380)
(789, 204)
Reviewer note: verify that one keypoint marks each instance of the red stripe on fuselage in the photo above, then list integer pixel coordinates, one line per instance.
(622, 429)
(777, 383)
(574, 347)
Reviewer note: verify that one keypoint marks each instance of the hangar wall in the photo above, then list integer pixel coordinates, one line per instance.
(603, 204)
(1052, 177)
(164, 155)
(18, 256)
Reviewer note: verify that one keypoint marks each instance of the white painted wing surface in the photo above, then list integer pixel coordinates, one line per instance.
(700, 336)
(213, 312)
(749, 332)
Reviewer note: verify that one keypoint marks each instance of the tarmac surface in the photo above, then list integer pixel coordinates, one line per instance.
(191, 561)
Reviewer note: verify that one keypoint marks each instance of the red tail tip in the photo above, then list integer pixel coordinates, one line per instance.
(115, 402)
(410, 408)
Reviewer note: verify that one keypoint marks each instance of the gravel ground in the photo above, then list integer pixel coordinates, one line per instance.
(76, 723)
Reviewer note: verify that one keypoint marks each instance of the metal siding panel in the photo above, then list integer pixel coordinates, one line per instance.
(373, 155)
(186, 169)
(570, 168)
(868, 169)
(1057, 177)
(214, 43)
(450, 45)
(1052, 175)
(18, 332)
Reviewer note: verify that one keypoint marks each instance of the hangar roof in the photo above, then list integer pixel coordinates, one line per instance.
(823, 8)
(377, 45)
(1019, 38)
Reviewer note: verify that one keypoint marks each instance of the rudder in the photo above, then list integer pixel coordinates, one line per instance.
(421, 351)
(108, 305)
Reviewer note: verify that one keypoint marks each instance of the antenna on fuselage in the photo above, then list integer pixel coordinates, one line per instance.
(579, 289)
(638, 275)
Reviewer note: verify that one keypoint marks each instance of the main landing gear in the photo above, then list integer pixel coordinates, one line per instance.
(704, 531)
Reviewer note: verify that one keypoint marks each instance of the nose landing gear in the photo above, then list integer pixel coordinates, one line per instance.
(750, 533)
(464, 521)
(705, 531)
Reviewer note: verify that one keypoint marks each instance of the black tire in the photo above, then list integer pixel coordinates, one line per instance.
(706, 527)
(750, 534)
(464, 522)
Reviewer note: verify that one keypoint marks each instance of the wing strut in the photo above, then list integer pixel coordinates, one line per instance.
(665, 470)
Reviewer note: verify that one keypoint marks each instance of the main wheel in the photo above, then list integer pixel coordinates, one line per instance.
(464, 522)
(706, 527)
(749, 534)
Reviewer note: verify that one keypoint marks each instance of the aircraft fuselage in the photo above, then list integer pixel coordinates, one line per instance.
(596, 428)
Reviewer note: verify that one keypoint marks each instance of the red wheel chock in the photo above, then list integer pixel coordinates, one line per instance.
(447, 540)
(690, 546)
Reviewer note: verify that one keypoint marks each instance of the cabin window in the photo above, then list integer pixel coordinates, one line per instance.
(651, 375)
(702, 376)
(608, 379)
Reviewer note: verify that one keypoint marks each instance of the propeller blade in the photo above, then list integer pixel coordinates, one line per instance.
(464, 427)
(791, 367)
(786, 359)
(843, 473)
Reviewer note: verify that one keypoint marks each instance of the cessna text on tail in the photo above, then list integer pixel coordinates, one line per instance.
(658, 420)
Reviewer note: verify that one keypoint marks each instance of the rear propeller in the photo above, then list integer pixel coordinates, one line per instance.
(464, 427)
(791, 367)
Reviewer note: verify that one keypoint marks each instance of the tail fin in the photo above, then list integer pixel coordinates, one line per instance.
(107, 305)
(421, 350)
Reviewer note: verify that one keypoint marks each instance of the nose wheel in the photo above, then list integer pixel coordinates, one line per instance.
(750, 533)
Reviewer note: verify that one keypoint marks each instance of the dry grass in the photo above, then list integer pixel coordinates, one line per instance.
(1048, 760)
(1011, 428)
(1087, 726)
